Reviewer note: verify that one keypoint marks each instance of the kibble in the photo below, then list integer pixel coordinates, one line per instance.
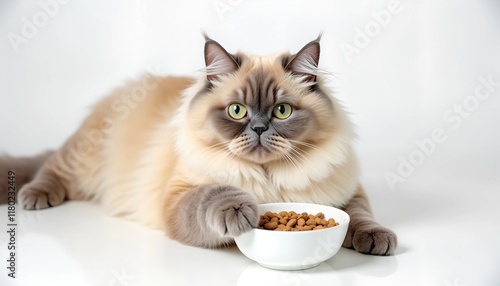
(292, 221)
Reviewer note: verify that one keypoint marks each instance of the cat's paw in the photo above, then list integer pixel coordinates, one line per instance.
(231, 211)
(36, 195)
(373, 239)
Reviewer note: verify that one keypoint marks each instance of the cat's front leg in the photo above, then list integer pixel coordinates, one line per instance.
(208, 215)
(364, 234)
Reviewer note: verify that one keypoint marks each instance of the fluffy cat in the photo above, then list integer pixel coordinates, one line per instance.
(195, 157)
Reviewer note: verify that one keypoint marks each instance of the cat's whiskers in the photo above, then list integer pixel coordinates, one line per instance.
(293, 155)
(287, 150)
(241, 145)
(279, 140)
(293, 163)
(282, 147)
(309, 145)
(300, 154)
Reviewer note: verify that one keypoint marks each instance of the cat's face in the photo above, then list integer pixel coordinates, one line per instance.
(261, 109)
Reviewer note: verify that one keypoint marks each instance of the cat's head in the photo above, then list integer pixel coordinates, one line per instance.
(260, 108)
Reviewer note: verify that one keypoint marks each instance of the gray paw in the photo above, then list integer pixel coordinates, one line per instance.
(375, 240)
(35, 196)
(231, 211)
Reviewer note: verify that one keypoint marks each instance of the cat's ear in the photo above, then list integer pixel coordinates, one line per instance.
(305, 62)
(217, 60)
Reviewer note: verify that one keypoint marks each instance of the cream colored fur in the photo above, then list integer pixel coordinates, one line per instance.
(129, 170)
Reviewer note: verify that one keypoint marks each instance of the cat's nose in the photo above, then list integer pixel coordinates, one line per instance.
(259, 130)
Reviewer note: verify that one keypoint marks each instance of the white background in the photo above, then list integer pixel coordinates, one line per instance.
(404, 82)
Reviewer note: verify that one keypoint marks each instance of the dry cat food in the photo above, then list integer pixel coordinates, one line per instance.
(292, 221)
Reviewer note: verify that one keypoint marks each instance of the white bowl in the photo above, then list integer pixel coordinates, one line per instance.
(294, 250)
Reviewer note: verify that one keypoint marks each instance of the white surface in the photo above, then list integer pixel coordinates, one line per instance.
(298, 250)
(406, 81)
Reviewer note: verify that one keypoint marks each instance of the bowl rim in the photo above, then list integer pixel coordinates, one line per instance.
(345, 222)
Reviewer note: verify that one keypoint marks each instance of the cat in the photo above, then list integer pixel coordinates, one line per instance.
(195, 157)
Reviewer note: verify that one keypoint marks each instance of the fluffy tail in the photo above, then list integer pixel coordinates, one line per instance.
(25, 169)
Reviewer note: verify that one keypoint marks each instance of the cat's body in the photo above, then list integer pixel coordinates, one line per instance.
(194, 157)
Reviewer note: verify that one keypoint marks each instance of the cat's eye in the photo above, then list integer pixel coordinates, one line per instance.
(237, 111)
(282, 111)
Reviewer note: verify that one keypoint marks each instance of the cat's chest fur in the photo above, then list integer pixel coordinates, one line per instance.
(317, 180)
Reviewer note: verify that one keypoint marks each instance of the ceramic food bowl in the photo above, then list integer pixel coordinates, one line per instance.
(294, 250)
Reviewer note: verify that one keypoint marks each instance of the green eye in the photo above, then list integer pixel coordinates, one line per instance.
(237, 111)
(282, 111)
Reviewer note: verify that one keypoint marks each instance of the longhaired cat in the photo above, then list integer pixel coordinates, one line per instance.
(195, 157)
